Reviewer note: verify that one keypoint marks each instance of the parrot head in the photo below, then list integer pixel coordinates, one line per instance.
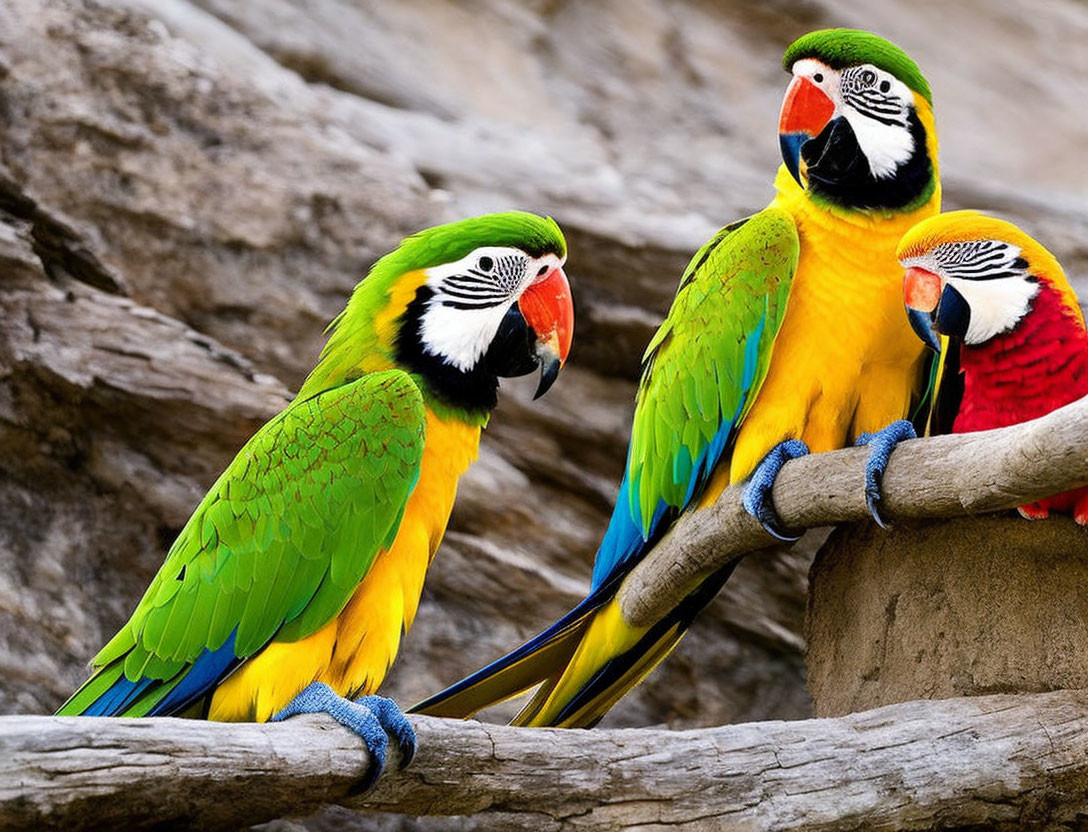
(460, 305)
(856, 127)
(971, 277)
(497, 303)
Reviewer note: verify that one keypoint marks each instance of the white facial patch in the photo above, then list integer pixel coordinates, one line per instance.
(886, 146)
(470, 298)
(988, 274)
(460, 336)
(996, 305)
(877, 106)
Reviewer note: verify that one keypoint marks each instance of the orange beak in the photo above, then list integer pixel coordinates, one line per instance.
(921, 289)
(922, 295)
(548, 308)
(806, 111)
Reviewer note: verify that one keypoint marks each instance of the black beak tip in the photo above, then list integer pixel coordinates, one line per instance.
(549, 372)
(790, 143)
(922, 324)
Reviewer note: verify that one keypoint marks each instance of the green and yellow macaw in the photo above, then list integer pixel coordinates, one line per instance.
(292, 582)
(787, 333)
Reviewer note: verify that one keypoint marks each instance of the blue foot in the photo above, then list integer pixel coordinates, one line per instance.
(881, 444)
(374, 718)
(758, 491)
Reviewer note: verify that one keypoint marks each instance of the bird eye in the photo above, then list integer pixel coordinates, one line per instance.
(868, 77)
(541, 270)
(885, 86)
(485, 264)
(818, 77)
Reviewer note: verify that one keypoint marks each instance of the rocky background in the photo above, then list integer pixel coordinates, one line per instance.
(190, 188)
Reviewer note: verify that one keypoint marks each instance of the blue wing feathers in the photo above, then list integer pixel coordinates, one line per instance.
(210, 667)
(207, 671)
(624, 540)
(751, 356)
(117, 697)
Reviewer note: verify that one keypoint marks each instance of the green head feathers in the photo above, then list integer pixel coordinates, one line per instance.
(446, 243)
(353, 334)
(840, 48)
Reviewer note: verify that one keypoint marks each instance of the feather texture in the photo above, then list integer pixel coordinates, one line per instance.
(275, 549)
(700, 373)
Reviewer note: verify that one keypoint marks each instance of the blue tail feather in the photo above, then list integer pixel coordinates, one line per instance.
(201, 676)
(570, 619)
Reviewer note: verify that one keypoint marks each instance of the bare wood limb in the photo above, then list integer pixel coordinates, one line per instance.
(913, 765)
(956, 762)
(943, 476)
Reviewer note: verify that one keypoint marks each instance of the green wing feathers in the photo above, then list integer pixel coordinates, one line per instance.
(280, 542)
(707, 360)
(700, 372)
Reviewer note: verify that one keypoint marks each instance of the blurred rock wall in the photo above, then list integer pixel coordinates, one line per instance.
(190, 188)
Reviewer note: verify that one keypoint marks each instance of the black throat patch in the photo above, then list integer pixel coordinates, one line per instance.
(839, 172)
(474, 390)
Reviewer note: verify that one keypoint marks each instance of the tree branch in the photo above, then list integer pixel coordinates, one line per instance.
(956, 762)
(942, 476)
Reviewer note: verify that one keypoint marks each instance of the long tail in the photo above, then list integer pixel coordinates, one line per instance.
(584, 663)
(610, 659)
(588, 659)
(520, 669)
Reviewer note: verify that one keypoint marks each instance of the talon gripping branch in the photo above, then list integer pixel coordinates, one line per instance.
(292, 583)
(787, 331)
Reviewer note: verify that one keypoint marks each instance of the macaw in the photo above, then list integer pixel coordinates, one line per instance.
(288, 589)
(786, 334)
(997, 308)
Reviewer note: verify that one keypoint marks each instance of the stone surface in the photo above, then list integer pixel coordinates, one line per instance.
(916, 614)
(189, 189)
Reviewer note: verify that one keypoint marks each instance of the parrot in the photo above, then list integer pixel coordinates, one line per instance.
(288, 589)
(786, 335)
(997, 308)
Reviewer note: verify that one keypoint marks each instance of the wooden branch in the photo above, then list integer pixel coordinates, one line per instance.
(943, 476)
(1018, 759)
(956, 762)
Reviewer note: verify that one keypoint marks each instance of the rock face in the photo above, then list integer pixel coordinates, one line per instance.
(190, 188)
(916, 614)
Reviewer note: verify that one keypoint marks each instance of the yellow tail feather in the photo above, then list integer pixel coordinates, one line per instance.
(607, 637)
(509, 681)
(611, 659)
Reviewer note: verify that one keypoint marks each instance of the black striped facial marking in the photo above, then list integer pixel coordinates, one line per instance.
(980, 260)
(462, 305)
(873, 94)
(990, 279)
(490, 281)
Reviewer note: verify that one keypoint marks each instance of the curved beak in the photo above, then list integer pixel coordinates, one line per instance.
(921, 294)
(548, 309)
(934, 307)
(806, 111)
(535, 332)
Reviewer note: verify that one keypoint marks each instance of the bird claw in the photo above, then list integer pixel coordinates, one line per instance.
(756, 498)
(881, 444)
(373, 718)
